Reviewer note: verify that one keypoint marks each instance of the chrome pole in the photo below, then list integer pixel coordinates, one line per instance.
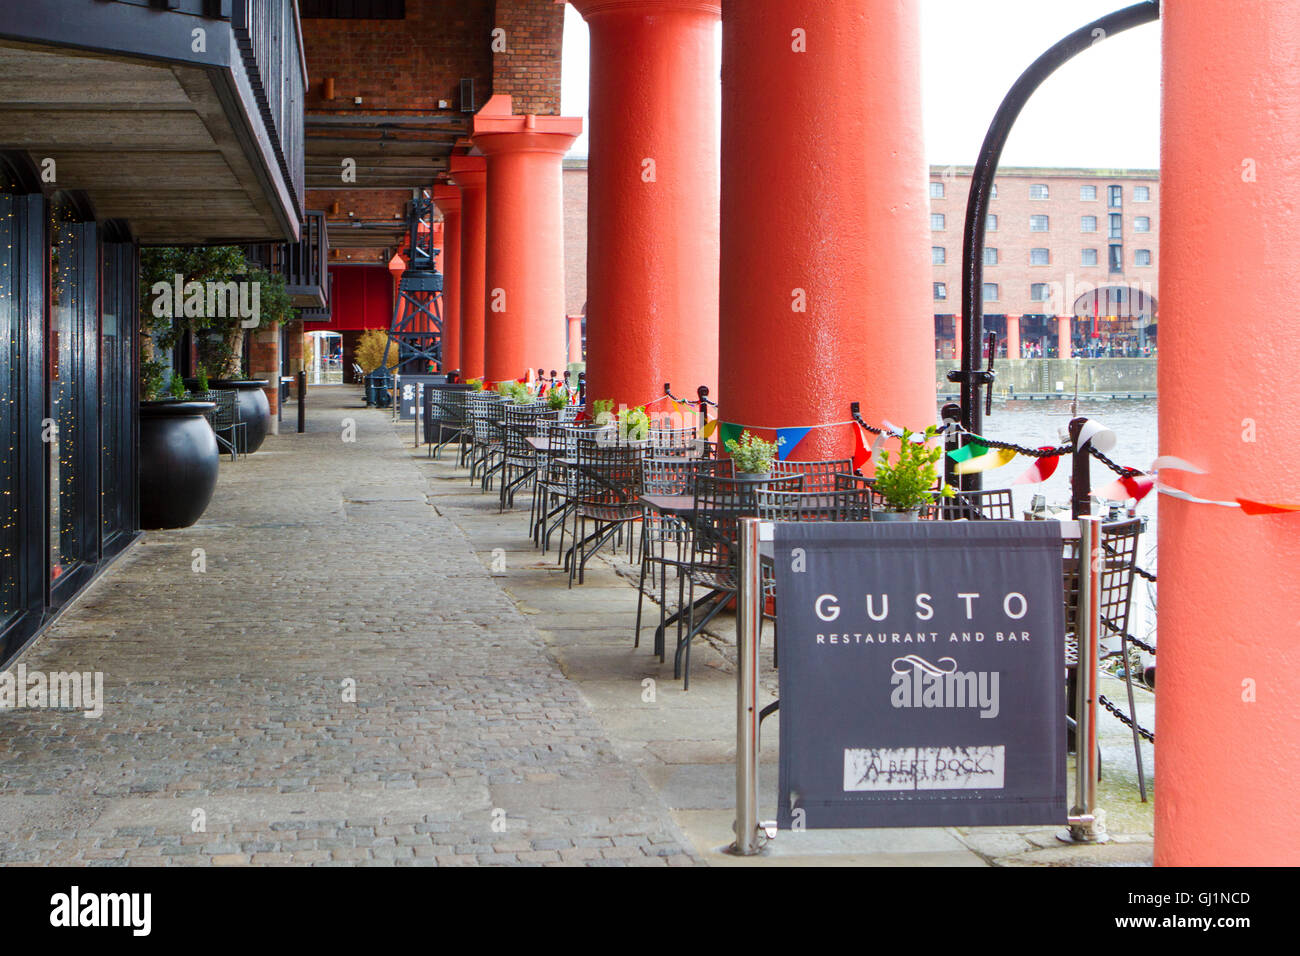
(1083, 816)
(748, 620)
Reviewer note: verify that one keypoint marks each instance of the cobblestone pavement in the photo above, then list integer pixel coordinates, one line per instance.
(229, 733)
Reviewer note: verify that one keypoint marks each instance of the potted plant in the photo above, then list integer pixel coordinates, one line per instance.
(752, 456)
(908, 483)
(209, 298)
(557, 400)
(179, 459)
(634, 424)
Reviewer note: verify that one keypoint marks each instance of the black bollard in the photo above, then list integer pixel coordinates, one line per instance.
(302, 402)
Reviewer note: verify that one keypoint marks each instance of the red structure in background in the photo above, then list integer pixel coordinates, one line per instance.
(362, 299)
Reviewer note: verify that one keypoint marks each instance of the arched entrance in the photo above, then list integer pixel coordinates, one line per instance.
(1116, 321)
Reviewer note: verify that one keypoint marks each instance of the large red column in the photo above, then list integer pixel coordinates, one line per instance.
(1013, 336)
(524, 318)
(447, 199)
(825, 278)
(652, 220)
(1229, 704)
(470, 174)
(1064, 336)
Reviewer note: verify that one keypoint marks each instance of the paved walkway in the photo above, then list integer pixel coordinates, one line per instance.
(231, 733)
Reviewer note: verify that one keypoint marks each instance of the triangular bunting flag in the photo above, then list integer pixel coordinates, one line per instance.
(1265, 507)
(729, 431)
(971, 449)
(861, 454)
(787, 439)
(1122, 489)
(708, 429)
(999, 457)
(1040, 470)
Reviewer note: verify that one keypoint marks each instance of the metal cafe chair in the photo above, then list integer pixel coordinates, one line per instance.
(211, 416)
(555, 488)
(486, 412)
(607, 493)
(668, 476)
(446, 424)
(229, 430)
(718, 506)
(817, 475)
(674, 442)
(519, 459)
(990, 505)
(1119, 542)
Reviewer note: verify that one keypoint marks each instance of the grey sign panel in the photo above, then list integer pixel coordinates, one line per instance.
(922, 673)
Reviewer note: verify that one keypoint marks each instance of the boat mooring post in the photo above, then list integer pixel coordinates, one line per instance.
(748, 620)
(1083, 825)
(1081, 474)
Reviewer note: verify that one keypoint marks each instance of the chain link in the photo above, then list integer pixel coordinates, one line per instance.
(1121, 470)
(1124, 718)
(1141, 645)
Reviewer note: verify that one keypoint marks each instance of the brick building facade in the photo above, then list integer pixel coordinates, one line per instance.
(1058, 242)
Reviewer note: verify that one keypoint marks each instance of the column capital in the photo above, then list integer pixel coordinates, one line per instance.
(593, 8)
(468, 172)
(498, 130)
(446, 197)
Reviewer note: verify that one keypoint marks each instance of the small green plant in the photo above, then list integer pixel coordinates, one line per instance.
(202, 376)
(602, 410)
(753, 456)
(475, 384)
(151, 379)
(177, 387)
(557, 400)
(909, 482)
(634, 423)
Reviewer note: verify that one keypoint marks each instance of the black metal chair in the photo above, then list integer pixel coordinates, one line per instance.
(674, 442)
(718, 506)
(519, 459)
(607, 490)
(817, 475)
(668, 476)
(485, 415)
(229, 429)
(990, 505)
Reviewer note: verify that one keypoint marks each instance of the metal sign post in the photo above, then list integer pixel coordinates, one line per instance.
(1084, 827)
(748, 620)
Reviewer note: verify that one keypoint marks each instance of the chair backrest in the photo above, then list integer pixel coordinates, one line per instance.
(719, 504)
(1119, 542)
(676, 475)
(850, 505)
(226, 414)
(991, 505)
(669, 442)
(817, 475)
(608, 475)
(521, 423)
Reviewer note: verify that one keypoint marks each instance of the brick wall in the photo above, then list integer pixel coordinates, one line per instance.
(575, 236)
(407, 64)
(529, 68)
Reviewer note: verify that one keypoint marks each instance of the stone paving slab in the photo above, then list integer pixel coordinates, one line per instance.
(344, 683)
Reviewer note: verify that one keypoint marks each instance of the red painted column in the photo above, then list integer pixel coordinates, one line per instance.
(470, 174)
(1013, 336)
(1229, 593)
(1064, 336)
(652, 230)
(575, 339)
(447, 199)
(957, 340)
(825, 219)
(524, 318)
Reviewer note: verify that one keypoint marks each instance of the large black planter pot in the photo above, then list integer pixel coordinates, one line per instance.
(178, 463)
(254, 409)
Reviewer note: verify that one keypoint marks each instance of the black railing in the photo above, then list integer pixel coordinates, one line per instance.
(304, 264)
(267, 32)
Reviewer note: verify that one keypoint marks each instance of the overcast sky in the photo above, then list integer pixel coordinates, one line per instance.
(1102, 109)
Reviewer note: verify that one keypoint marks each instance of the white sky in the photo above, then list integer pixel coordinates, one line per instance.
(1102, 109)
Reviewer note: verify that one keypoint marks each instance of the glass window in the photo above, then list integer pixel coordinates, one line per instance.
(990, 256)
(1141, 193)
(993, 190)
(991, 223)
(1142, 224)
(1088, 224)
(938, 255)
(1116, 258)
(1142, 257)
(1089, 257)
(1038, 191)
(1040, 257)
(1088, 193)
(1115, 196)
(1038, 224)
(936, 190)
(936, 221)
(990, 292)
(1116, 225)
(941, 290)
(1038, 292)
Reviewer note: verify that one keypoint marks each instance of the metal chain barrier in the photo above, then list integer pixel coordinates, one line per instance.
(1121, 470)
(1141, 645)
(1124, 718)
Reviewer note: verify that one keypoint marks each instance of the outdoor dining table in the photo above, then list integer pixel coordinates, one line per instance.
(539, 444)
